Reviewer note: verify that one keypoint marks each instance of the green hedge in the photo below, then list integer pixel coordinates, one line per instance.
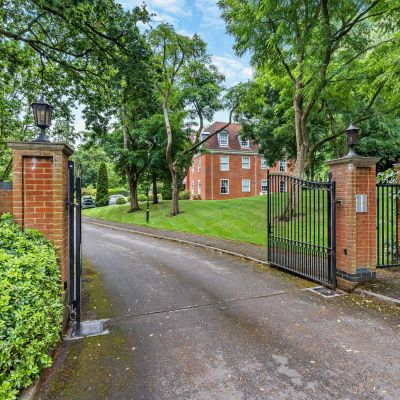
(30, 306)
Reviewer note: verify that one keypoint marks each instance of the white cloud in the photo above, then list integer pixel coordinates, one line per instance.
(210, 13)
(233, 69)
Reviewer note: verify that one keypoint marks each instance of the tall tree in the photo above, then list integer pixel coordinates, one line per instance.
(325, 56)
(186, 78)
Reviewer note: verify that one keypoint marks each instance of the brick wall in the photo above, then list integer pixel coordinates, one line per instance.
(210, 175)
(6, 196)
(355, 231)
(40, 178)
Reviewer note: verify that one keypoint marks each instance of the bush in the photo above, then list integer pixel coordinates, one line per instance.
(102, 196)
(184, 195)
(142, 197)
(30, 306)
(120, 200)
(166, 191)
(89, 191)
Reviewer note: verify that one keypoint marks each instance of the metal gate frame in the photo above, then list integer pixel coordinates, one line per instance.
(301, 253)
(74, 242)
(387, 224)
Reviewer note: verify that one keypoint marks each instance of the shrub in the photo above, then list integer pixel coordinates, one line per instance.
(120, 200)
(89, 191)
(142, 197)
(30, 306)
(166, 191)
(184, 195)
(102, 196)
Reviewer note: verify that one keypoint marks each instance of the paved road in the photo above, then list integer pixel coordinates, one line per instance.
(199, 325)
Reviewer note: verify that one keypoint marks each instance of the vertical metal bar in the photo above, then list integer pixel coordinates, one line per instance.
(71, 250)
(387, 225)
(78, 251)
(391, 225)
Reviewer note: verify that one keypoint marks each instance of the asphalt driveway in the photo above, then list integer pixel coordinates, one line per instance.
(187, 323)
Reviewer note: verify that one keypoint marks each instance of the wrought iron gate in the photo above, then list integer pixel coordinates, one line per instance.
(301, 227)
(387, 224)
(75, 242)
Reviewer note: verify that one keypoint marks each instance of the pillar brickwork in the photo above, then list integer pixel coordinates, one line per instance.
(355, 179)
(40, 189)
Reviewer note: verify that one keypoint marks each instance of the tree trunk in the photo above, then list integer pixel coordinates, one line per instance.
(168, 153)
(155, 197)
(175, 195)
(134, 195)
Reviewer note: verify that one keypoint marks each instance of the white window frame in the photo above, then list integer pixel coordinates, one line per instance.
(199, 187)
(264, 163)
(199, 165)
(221, 164)
(192, 187)
(247, 186)
(282, 187)
(223, 134)
(246, 145)
(192, 166)
(243, 165)
(282, 165)
(220, 186)
(264, 183)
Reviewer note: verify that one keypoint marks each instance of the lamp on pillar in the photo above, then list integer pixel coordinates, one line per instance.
(42, 111)
(351, 139)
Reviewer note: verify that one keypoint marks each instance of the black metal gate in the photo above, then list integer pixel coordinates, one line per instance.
(301, 227)
(75, 242)
(387, 224)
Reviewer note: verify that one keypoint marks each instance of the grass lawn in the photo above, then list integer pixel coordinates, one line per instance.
(243, 219)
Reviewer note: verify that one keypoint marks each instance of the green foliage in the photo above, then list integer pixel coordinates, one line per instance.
(388, 176)
(142, 197)
(89, 191)
(102, 196)
(90, 158)
(328, 64)
(120, 200)
(184, 195)
(166, 191)
(30, 306)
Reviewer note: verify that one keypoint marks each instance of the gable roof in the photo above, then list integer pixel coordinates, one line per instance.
(233, 131)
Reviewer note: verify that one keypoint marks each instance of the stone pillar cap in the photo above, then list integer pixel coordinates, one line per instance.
(355, 159)
(49, 146)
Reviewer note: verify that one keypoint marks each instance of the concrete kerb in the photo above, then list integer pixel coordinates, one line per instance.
(378, 296)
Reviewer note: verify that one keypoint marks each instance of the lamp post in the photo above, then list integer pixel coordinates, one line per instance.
(351, 139)
(42, 112)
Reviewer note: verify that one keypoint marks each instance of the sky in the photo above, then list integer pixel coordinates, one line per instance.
(202, 17)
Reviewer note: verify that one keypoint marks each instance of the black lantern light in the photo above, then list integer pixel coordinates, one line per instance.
(351, 138)
(42, 111)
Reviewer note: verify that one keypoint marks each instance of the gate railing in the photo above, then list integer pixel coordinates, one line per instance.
(74, 242)
(301, 227)
(387, 226)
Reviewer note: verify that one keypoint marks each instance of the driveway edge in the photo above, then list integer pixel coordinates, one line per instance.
(183, 241)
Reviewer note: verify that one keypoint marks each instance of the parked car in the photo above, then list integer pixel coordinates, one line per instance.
(88, 202)
(114, 197)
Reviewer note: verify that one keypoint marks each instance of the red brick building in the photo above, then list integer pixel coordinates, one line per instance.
(230, 166)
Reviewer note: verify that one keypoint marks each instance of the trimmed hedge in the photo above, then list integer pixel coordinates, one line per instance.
(30, 306)
(120, 200)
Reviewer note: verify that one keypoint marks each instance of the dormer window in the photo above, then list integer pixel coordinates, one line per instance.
(223, 139)
(244, 142)
(204, 135)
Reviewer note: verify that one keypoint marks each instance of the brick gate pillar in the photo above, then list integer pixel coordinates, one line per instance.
(355, 179)
(40, 184)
